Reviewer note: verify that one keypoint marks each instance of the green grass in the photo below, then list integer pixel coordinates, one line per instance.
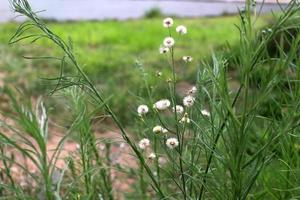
(111, 45)
(109, 51)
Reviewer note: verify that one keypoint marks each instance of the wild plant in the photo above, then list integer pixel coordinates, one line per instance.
(215, 142)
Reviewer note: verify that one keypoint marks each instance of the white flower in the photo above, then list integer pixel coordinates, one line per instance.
(172, 143)
(168, 22)
(142, 109)
(193, 90)
(181, 29)
(185, 119)
(188, 101)
(158, 73)
(162, 104)
(179, 109)
(187, 58)
(163, 50)
(205, 113)
(169, 42)
(159, 129)
(144, 143)
(151, 156)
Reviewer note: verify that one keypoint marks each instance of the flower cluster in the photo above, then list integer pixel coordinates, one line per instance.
(181, 29)
(142, 110)
(188, 101)
(162, 104)
(159, 129)
(172, 143)
(168, 22)
(169, 41)
(185, 119)
(178, 108)
(165, 105)
(144, 143)
(187, 59)
(163, 50)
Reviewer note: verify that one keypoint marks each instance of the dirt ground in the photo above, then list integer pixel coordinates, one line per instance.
(120, 154)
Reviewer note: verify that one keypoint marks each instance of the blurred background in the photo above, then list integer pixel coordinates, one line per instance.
(116, 41)
(129, 9)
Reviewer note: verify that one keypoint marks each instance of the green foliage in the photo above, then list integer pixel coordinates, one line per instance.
(112, 54)
(153, 13)
(222, 146)
(31, 131)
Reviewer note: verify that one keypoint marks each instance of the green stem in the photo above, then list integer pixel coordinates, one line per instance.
(180, 139)
(216, 142)
(29, 13)
(156, 160)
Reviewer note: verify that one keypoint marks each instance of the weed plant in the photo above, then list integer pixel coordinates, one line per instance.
(212, 143)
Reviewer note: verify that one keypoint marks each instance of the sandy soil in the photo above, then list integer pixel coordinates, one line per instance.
(120, 154)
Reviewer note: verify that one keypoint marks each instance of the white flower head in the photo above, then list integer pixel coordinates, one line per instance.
(142, 110)
(168, 22)
(189, 101)
(151, 156)
(185, 119)
(187, 58)
(179, 109)
(144, 143)
(162, 104)
(193, 90)
(172, 143)
(181, 29)
(205, 113)
(163, 50)
(158, 73)
(169, 42)
(159, 129)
